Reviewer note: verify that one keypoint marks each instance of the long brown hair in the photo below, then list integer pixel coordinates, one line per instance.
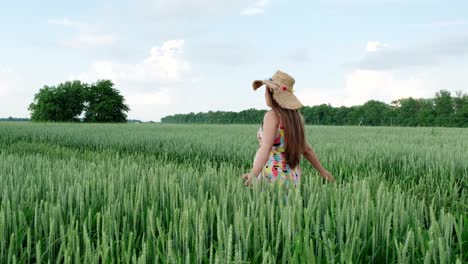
(293, 123)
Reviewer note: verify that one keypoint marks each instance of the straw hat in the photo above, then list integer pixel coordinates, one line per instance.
(281, 84)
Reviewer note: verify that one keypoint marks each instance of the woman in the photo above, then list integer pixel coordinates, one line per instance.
(281, 136)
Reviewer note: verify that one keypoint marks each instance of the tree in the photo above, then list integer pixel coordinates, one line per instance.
(66, 102)
(355, 115)
(450, 111)
(376, 113)
(63, 103)
(425, 115)
(443, 107)
(325, 113)
(461, 109)
(407, 109)
(341, 116)
(104, 103)
(319, 114)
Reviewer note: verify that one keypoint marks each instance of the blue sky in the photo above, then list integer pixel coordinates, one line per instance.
(180, 56)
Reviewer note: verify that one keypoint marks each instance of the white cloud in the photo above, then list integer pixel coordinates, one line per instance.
(90, 40)
(318, 96)
(151, 86)
(360, 86)
(252, 11)
(364, 85)
(88, 36)
(257, 8)
(443, 23)
(164, 63)
(151, 105)
(229, 54)
(164, 96)
(428, 52)
(64, 22)
(15, 93)
(299, 55)
(373, 46)
(8, 81)
(163, 9)
(263, 3)
(5, 69)
(454, 22)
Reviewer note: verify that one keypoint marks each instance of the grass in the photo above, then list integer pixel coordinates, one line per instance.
(142, 193)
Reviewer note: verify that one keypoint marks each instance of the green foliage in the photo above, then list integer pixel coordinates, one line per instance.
(63, 103)
(443, 110)
(249, 116)
(104, 103)
(10, 118)
(461, 109)
(376, 113)
(66, 102)
(406, 111)
(142, 193)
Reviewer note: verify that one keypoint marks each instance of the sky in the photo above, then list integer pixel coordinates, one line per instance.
(181, 56)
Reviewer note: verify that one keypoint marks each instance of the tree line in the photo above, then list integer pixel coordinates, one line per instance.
(66, 102)
(16, 119)
(442, 110)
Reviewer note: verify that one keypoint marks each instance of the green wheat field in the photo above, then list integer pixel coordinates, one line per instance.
(152, 193)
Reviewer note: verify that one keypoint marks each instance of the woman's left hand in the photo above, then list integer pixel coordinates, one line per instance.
(248, 177)
(327, 176)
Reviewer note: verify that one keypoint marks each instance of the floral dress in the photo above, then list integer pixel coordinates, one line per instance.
(276, 166)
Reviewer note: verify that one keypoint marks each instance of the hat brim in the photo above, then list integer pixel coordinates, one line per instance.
(285, 99)
(258, 83)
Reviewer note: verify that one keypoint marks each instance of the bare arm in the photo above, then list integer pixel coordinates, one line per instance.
(310, 155)
(270, 122)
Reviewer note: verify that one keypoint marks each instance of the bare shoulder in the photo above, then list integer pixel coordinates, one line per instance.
(271, 117)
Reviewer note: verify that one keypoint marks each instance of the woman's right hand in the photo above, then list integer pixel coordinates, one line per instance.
(327, 176)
